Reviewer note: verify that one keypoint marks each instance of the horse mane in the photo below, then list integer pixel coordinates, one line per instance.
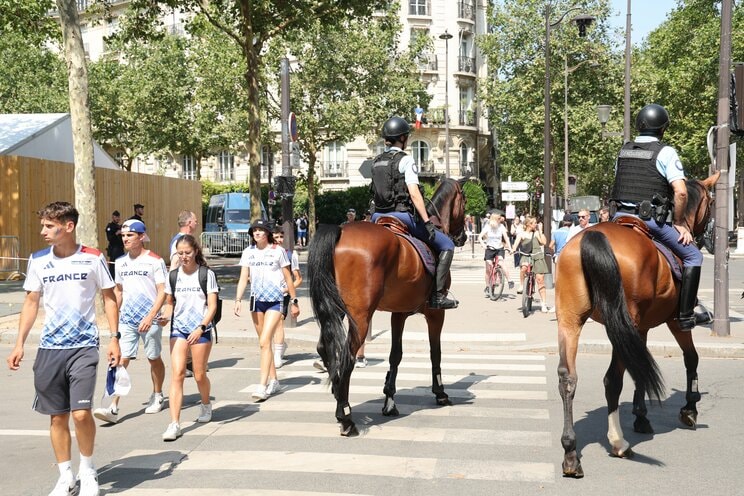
(444, 193)
(694, 196)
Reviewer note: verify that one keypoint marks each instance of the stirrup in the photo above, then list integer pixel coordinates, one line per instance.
(441, 301)
(687, 323)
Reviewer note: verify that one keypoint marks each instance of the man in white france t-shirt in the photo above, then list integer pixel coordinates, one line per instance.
(69, 276)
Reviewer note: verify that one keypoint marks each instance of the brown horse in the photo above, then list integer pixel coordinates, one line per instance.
(364, 267)
(616, 276)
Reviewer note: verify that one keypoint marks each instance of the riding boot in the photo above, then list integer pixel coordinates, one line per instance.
(688, 297)
(439, 298)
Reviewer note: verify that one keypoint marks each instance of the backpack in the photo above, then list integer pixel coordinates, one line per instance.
(203, 272)
(303, 224)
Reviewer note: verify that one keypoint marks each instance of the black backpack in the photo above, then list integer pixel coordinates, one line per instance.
(203, 272)
(303, 224)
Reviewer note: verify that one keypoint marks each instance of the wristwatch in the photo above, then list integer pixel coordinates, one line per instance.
(203, 328)
(117, 335)
(294, 301)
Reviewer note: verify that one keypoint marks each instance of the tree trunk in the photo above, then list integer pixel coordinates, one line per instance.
(82, 132)
(311, 159)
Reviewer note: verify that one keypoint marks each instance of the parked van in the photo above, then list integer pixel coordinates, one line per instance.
(227, 222)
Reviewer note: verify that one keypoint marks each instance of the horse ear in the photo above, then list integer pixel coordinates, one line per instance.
(711, 181)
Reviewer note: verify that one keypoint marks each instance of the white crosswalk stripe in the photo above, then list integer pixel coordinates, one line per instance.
(500, 406)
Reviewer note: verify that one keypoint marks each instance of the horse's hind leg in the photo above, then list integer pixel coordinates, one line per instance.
(613, 383)
(641, 423)
(435, 322)
(567, 380)
(688, 414)
(397, 321)
(357, 334)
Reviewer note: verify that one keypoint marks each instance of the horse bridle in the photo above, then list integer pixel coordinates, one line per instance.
(458, 240)
(706, 214)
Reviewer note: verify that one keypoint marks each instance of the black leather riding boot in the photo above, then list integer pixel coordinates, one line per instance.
(439, 299)
(688, 297)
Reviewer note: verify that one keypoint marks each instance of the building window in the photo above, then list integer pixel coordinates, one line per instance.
(334, 160)
(420, 154)
(466, 162)
(418, 7)
(226, 163)
(378, 148)
(466, 62)
(267, 162)
(188, 167)
(466, 112)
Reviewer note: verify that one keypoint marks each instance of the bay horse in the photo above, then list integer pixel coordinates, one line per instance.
(362, 267)
(617, 276)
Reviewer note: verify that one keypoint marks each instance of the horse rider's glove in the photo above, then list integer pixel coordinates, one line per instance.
(431, 230)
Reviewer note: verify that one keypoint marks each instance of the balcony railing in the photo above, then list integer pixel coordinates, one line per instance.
(334, 169)
(467, 169)
(419, 8)
(466, 64)
(466, 11)
(467, 118)
(428, 63)
(435, 116)
(426, 165)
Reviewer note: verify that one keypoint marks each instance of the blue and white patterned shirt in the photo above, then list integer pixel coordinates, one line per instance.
(138, 278)
(267, 277)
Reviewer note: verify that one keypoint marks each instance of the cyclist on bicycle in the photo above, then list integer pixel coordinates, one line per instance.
(494, 238)
(530, 242)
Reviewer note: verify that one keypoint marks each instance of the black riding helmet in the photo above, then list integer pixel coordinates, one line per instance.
(394, 128)
(652, 120)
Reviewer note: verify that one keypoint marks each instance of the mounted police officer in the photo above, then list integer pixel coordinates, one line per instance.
(397, 193)
(650, 184)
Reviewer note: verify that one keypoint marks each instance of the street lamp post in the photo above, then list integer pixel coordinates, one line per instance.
(582, 21)
(446, 37)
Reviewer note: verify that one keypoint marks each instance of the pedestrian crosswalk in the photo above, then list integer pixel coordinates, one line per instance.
(497, 431)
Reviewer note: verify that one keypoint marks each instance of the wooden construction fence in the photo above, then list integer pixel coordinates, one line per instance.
(28, 184)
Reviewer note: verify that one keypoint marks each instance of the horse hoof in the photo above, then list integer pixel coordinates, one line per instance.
(627, 453)
(573, 472)
(443, 400)
(643, 426)
(349, 431)
(392, 412)
(688, 418)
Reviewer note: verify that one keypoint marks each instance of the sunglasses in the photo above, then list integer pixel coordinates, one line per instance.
(583, 216)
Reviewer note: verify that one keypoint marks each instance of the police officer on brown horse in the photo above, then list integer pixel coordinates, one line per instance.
(396, 190)
(650, 184)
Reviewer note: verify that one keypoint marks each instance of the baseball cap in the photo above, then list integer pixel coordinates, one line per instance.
(118, 382)
(351, 211)
(134, 225)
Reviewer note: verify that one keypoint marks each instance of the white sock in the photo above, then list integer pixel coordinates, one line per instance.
(86, 463)
(65, 467)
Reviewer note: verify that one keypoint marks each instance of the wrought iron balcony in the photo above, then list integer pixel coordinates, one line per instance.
(466, 64)
(467, 118)
(466, 11)
(334, 169)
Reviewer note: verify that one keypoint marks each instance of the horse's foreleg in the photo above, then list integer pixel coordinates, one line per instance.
(567, 380)
(688, 414)
(397, 321)
(613, 383)
(435, 322)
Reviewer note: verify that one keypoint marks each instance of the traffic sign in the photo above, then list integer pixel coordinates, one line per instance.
(515, 196)
(293, 126)
(514, 185)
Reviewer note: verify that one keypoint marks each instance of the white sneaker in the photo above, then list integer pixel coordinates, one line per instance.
(173, 432)
(65, 485)
(544, 308)
(361, 362)
(260, 393)
(279, 350)
(206, 413)
(155, 404)
(88, 483)
(106, 415)
(272, 387)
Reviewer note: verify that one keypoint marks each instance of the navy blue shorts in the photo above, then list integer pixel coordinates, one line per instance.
(206, 337)
(265, 306)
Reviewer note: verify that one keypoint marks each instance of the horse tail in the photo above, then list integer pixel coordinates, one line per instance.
(602, 276)
(328, 306)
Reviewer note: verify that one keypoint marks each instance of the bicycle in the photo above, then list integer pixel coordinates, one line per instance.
(528, 290)
(496, 279)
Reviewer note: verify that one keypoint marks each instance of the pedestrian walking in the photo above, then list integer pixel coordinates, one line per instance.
(115, 247)
(191, 303)
(68, 275)
(280, 344)
(266, 267)
(140, 293)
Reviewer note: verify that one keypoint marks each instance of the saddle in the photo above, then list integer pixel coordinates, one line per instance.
(675, 264)
(401, 230)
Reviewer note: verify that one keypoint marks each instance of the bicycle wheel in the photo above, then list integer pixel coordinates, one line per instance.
(496, 286)
(530, 291)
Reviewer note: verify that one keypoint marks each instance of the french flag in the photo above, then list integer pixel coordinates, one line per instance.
(419, 116)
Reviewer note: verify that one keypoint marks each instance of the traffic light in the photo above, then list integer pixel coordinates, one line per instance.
(736, 100)
(571, 184)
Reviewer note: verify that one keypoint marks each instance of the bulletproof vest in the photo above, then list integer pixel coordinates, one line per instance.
(388, 186)
(637, 178)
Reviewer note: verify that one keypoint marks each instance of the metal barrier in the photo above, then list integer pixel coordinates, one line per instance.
(224, 243)
(10, 262)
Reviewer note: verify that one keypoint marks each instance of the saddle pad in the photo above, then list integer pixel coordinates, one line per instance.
(427, 257)
(671, 259)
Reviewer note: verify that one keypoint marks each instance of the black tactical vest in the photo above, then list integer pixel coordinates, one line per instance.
(637, 178)
(388, 187)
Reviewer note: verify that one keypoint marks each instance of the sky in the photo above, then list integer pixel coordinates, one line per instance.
(645, 16)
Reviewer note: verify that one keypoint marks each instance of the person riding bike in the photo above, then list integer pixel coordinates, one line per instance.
(650, 184)
(397, 193)
(495, 239)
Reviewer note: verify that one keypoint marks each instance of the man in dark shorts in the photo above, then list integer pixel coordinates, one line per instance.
(69, 276)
